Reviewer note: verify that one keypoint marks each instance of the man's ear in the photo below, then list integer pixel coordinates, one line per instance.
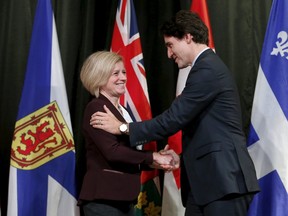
(188, 38)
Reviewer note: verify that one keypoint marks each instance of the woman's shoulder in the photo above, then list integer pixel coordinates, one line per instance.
(95, 104)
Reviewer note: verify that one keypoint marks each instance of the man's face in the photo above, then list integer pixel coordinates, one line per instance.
(178, 50)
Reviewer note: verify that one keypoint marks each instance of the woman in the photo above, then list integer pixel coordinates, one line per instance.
(112, 180)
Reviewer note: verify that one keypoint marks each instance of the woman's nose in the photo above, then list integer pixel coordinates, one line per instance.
(122, 76)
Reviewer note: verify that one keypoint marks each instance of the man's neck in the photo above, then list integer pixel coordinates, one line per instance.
(200, 48)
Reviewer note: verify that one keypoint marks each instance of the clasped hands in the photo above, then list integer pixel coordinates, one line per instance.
(166, 159)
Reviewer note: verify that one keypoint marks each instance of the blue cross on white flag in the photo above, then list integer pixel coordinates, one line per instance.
(268, 138)
(42, 171)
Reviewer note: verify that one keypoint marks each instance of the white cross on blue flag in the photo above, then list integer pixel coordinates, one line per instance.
(268, 138)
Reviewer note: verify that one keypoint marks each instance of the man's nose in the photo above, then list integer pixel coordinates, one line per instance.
(169, 53)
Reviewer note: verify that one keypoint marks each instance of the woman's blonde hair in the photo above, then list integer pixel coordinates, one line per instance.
(97, 69)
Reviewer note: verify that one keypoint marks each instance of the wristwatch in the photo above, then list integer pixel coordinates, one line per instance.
(124, 129)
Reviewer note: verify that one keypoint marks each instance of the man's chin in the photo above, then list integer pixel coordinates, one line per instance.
(182, 66)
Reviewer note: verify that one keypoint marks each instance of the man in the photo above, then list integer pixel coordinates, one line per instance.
(218, 177)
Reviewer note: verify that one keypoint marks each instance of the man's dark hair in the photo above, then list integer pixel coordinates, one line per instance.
(186, 22)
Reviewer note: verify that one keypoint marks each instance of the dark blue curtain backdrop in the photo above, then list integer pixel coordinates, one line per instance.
(85, 26)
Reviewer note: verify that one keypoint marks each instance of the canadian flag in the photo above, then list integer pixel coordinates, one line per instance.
(171, 203)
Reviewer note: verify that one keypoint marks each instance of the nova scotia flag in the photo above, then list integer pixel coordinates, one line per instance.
(42, 166)
(268, 138)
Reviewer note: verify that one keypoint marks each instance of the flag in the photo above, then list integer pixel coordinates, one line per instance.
(42, 165)
(268, 136)
(126, 42)
(172, 204)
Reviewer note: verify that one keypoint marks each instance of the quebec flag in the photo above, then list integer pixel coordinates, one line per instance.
(268, 138)
(42, 165)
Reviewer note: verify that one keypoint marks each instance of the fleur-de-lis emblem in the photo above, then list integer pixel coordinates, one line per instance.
(282, 45)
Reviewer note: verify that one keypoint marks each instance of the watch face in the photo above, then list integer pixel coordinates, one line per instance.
(123, 128)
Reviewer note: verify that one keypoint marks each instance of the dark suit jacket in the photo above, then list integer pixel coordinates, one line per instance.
(113, 167)
(214, 154)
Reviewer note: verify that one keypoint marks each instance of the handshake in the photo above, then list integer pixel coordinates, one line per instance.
(166, 159)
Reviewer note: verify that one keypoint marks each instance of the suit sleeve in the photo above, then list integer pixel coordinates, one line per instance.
(115, 149)
(200, 90)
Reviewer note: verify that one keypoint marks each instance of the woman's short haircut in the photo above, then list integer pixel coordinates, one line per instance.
(97, 69)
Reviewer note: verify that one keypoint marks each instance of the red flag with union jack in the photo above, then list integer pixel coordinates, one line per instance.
(126, 42)
(172, 204)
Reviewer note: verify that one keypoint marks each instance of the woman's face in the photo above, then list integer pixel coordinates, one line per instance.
(115, 87)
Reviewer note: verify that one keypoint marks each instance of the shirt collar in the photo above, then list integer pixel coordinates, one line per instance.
(199, 55)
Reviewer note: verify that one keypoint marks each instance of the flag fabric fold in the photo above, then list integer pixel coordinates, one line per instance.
(171, 203)
(268, 137)
(42, 165)
(126, 42)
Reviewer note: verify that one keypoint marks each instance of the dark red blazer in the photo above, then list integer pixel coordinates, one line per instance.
(113, 167)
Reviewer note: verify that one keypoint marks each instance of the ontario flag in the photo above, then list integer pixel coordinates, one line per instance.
(268, 137)
(172, 204)
(126, 42)
(42, 165)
